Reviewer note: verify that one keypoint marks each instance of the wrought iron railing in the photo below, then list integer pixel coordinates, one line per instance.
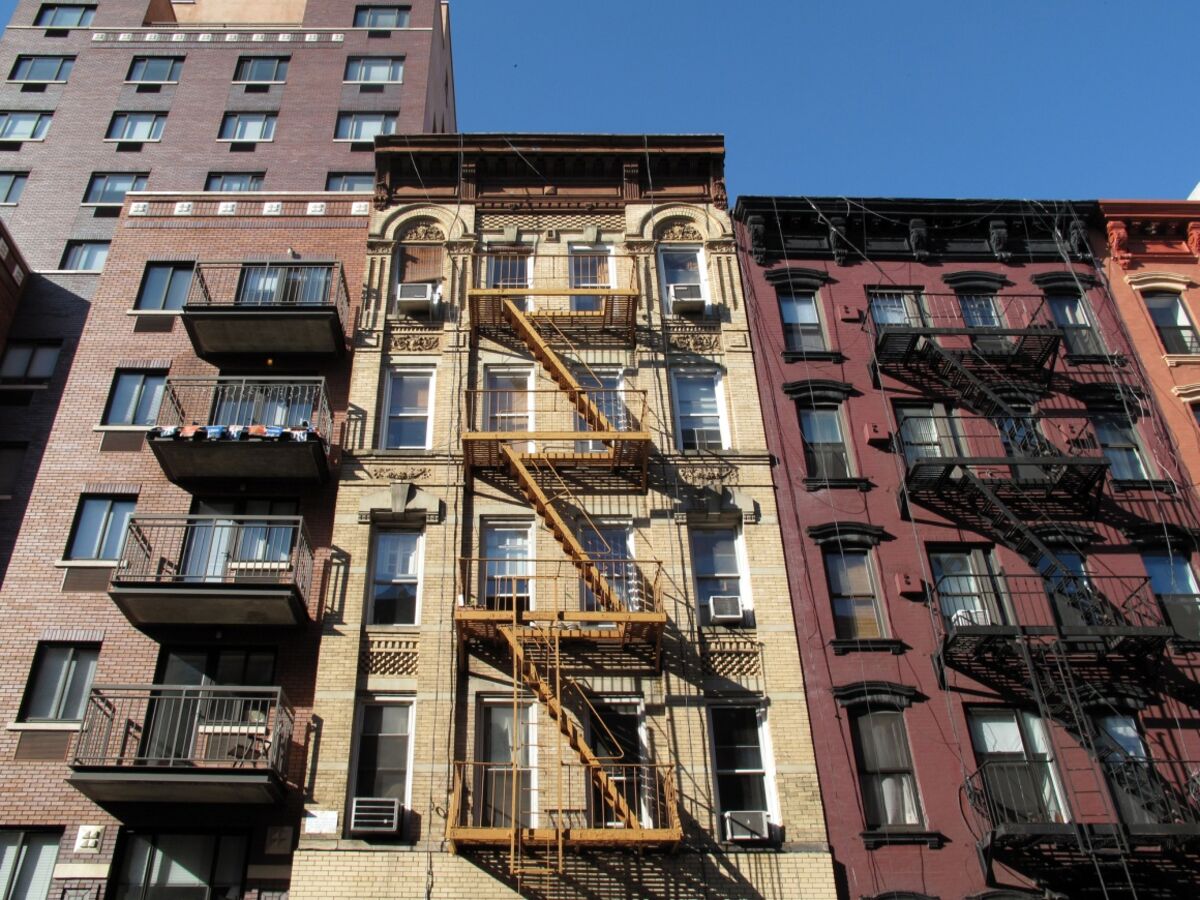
(995, 438)
(966, 313)
(1154, 792)
(1183, 612)
(556, 585)
(1016, 793)
(185, 726)
(287, 403)
(270, 285)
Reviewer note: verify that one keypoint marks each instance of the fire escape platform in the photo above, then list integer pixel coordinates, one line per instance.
(598, 627)
(624, 449)
(615, 838)
(612, 322)
(1009, 349)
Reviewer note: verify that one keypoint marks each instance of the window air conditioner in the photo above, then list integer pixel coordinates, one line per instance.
(965, 618)
(414, 298)
(747, 825)
(725, 609)
(686, 298)
(375, 815)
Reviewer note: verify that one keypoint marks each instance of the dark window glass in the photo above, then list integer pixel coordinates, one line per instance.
(381, 17)
(824, 448)
(165, 286)
(11, 186)
(180, 865)
(350, 181)
(12, 457)
(852, 592)
(85, 256)
(135, 398)
(111, 187)
(396, 580)
(801, 322)
(234, 181)
(885, 770)
(1174, 326)
(58, 686)
(61, 15)
(27, 362)
(261, 69)
(155, 69)
(383, 751)
(740, 767)
(100, 527)
(42, 68)
(141, 126)
(27, 861)
(1119, 440)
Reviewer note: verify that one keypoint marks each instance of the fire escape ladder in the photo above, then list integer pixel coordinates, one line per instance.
(533, 678)
(949, 370)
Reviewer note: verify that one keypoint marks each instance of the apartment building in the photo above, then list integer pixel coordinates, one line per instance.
(558, 655)
(990, 547)
(102, 98)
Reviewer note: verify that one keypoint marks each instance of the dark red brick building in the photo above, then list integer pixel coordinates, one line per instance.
(989, 544)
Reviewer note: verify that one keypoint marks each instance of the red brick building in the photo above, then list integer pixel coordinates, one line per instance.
(988, 547)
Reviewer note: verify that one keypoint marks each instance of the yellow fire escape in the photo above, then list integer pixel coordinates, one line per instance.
(537, 612)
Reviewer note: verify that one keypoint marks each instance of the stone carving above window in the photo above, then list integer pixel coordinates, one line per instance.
(679, 230)
(424, 231)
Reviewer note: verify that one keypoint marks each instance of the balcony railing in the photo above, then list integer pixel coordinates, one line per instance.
(247, 407)
(998, 441)
(1183, 612)
(1019, 795)
(552, 588)
(964, 314)
(157, 726)
(1155, 795)
(269, 285)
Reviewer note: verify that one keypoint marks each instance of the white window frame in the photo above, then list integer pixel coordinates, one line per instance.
(419, 575)
(530, 386)
(524, 703)
(387, 405)
(785, 295)
(408, 700)
(743, 562)
(718, 377)
(600, 248)
(701, 261)
(490, 251)
(513, 523)
(638, 702)
(774, 816)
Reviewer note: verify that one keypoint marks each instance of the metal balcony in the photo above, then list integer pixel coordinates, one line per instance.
(1017, 799)
(1158, 800)
(161, 743)
(267, 309)
(492, 801)
(214, 570)
(1183, 612)
(211, 429)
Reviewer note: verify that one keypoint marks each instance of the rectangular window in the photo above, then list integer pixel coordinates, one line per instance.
(12, 184)
(1174, 326)
(1071, 315)
(136, 126)
(85, 256)
(384, 743)
(111, 187)
(180, 865)
(234, 181)
(135, 398)
(896, 308)
(64, 15)
(248, 127)
(1119, 440)
(100, 526)
(165, 286)
(395, 587)
(682, 274)
(1170, 573)
(507, 565)
(59, 683)
(1013, 753)
(825, 453)
(856, 613)
(699, 411)
(885, 770)
(801, 322)
(27, 861)
(363, 126)
(12, 457)
(155, 69)
(716, 564)
(969, 593)
(927, 432)
(24, 126)
(42, 68)
(27, 362)
(262, 69)
(740, 764)
(374, 69)
(408, 411)
(381, 17)
(350, 181)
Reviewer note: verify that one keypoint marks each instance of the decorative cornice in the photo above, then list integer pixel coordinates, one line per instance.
(797, 277)
(975, 280)
(1067, 280)
(875, 694)
(819, 391)
(1159, 280)
(847, 534)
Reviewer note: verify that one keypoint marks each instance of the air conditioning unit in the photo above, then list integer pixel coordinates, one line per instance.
(965, 618)
(725, 610)
(374, 815)
(747, 825)
(415, 299)
(686, 298)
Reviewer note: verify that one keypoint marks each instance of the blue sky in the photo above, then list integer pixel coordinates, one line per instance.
(963, 98)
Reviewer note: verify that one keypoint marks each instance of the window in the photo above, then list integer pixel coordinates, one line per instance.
(350, 181)
(825, 453)
(374, 69)
(100, 527)
(165, 286)
(59, 683)
(699, 411)
(248, 127)
(85, 256)
(363, 126)
(135, 398)
(64, 15)
(24, 126)
(27, 861)
(384, 745)
(1071, 315)
(968, 590)
(262, 69)
(507, 564)
(1175, 328)
(1170, 573)
(927, 432)
(155, 69)
(1119, 440)
(408, 417)
(801, 322)
(740, 758)
(12, 457)
(180, 865)
(11, 186)
(590, 267)
(224, 667)
(26, 362)
(42, 68)
(111, 187)
(141, 126)
(381, 17)
(894, 308)
(716, 563)
(234, 181)
(856, 613)
(1018, 777)
(681, 265)
(885, 770)
(395, 586)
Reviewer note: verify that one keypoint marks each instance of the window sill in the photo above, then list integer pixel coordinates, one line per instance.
(255, 83)
(102, 205)
(41, 140)
(820, 484)
(130, 428)
(1124, 486)
(1181, 359)
(28, 81)
(1092, 359)
(872, 840)
(812, 356)
(42, 726)
(133, 140)
(86, 563)
(24, 387)
(222, 140)
(841, 646)
(153, 312)
(403, 451)
(8, 204)
(155, 83)
(380, 83)
(413, 630)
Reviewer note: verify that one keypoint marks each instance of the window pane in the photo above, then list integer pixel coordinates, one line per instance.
(11, 186)
(35, 866)
(16, 362)
(41, 363)
(681, 266)
(381, 17)
(89, 530)
(1170, 573)
(125, 396)
(122, 510)
(350, 181)
(49, 678)
(76, 689)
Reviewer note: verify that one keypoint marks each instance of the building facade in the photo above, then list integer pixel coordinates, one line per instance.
(101, 99)
(989, 548)
(558, 658)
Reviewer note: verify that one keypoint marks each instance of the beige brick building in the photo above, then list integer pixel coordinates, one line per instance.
(559, 657)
